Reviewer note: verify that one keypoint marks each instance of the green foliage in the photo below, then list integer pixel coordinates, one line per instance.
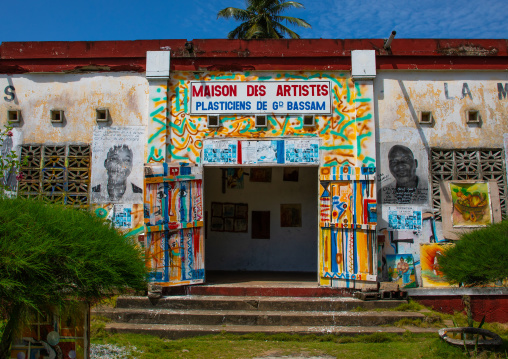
(51, 253)
(98, 327)
(52, 256)
(479, 257)
(410, 306)
(407, 322)
(262, 20)
(360, 309)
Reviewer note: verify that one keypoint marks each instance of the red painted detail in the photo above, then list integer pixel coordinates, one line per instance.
(242, 55)
(174, 171)
(442, 63)
(239, 152)
(72, 65)
(270, 291)
(85, 49)
(494, 307)
(174, 225)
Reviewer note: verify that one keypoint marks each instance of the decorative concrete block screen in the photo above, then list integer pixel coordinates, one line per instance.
(56, 173)
(481, 164)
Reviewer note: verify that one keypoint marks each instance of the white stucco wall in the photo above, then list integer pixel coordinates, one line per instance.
(125, 94)
(402, 95)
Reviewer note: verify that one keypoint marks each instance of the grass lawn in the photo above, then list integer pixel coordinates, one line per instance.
(229, 346)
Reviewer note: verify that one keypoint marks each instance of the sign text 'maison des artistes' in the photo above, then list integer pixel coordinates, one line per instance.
(260, 97)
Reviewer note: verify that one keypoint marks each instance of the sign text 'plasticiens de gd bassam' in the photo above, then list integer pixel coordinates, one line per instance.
(260, 97)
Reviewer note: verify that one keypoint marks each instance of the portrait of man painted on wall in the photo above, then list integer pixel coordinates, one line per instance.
(404, 182)
(117, 165)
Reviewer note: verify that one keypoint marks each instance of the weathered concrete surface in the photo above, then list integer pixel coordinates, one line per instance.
(184, 316)
(255, 303)
(185, 331)
(258, 318)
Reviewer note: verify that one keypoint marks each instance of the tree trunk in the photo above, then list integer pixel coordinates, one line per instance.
(10, 331)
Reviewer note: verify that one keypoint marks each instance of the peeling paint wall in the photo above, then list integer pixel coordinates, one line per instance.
(401, 97)
(125, 95)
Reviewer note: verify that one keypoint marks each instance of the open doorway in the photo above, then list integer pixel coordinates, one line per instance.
(261, 220)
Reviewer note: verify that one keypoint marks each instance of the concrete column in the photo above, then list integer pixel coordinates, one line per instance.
(157, 74)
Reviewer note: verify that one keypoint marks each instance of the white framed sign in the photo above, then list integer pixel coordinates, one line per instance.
(260, 97)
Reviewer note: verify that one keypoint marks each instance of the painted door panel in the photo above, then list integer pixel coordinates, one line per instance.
(348, 227)
(173, 209)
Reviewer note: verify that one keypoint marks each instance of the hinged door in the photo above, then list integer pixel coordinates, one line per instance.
(173, 210)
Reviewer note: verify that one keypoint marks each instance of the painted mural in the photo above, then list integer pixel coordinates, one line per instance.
(173, 212)
(429, 256)
(471, 204)
(346, 133)
(342, 142)
(158, 121)
(117, 160)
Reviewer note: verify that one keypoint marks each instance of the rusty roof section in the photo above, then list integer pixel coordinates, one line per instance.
(248, 55)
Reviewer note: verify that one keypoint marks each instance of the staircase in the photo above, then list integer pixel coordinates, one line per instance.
(243, 309)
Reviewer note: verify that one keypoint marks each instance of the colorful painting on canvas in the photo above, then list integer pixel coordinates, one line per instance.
(401, 270)
(429, 261)
(234, 178)
(471, 204)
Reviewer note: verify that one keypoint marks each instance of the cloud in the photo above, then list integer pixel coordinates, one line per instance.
(411, 19)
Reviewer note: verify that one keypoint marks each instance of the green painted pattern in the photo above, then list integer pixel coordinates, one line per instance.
(156, 134)
(340, 132)
(157, 111)
(152, 157)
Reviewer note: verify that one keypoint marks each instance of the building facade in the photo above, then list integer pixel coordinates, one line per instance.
(335, 157)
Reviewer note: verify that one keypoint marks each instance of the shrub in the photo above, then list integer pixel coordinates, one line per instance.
(479, 257)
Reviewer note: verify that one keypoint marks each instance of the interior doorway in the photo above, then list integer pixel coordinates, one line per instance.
(261, 220)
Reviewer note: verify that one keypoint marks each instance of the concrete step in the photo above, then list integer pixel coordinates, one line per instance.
(267, 291)
(254, 303)
(184, 331)
(259, 318)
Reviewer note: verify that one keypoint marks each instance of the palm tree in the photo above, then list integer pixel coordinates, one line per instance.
(262, 20)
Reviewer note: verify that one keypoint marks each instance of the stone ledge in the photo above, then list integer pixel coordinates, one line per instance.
(417, 292)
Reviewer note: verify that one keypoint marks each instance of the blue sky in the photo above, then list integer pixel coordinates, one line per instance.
(68, 20)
